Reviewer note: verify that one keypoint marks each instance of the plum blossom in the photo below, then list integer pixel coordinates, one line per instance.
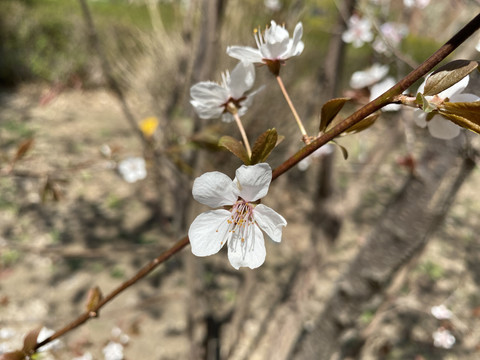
(274, 47)
(391, 36)
(273, 5)
(441, 312)
(132, 169)
(241, 225)
(438, 126)
(368, 77)
(443, 338)
(359, 31)
(211, 100)
(113, 351)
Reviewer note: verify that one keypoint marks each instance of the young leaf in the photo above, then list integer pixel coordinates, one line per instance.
(235, 147)
(464, 114)
(342, 148)
(14, 355)
(426, 106)
(363, 124)
(30, 341)
(263, 146)
(329, 110)
(448, 75)
(93, 299)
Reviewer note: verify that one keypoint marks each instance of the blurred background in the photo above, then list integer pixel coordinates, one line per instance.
(99, 147)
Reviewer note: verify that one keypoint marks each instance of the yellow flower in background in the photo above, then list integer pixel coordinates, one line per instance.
(148, 126)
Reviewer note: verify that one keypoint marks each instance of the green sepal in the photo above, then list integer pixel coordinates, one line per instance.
(235, 147)
(329, 110)
(263, 146)
(448, 75)
(424, 103)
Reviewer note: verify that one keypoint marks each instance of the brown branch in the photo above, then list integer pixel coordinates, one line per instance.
(373, 106)
(147, 269)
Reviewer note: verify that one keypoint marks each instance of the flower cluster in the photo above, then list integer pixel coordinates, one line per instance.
(241, 223)
(438, 126)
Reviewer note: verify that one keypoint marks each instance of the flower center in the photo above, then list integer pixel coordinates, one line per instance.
(238, 227)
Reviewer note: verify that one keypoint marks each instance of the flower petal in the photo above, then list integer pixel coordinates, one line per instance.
(242, 79)
(253, 181)
(297, 45)
(464, 98)
(420, 118)
(269, 221)
(442, 128)
(214, 189)
(209, 232)
(245, 53)
(250, 253)
(209, 91)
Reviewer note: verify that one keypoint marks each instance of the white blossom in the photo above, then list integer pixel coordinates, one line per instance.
(368, 77)
(359, 31)
(113, 351)
(211, 100)
(273, 5)
(274, 46)
(241, 225)
(44, 334)
(132, 169)
(421, 4)
(443, 338)
(438, 126)
(391, 36)
(441, 312)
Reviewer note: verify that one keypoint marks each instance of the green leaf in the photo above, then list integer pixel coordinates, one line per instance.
(426, 105)
(464, 114)
(263, 146)
(235, 147)
(329, 110)
(342, 148)
(448, 75)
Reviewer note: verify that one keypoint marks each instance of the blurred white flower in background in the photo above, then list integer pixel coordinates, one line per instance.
(379, 88)
(326, 149)
(477, 47)
(273, 5)
(421, 4)
(85, 356)
(438, 126)
(443, 338)
(359, 31)
(441, 312)
(132, 169)
(113, 351)
(365, 78)
(211, 100)
(45, 333)
(391, 36)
